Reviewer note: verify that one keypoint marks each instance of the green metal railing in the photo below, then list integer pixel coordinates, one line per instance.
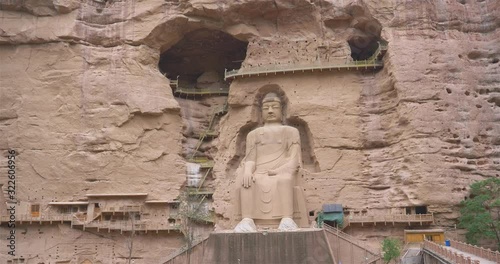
(198, 91)
(204, 162)
(209, 131)
(374, 62)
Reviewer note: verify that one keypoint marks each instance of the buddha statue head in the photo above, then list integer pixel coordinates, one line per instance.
(272, 109)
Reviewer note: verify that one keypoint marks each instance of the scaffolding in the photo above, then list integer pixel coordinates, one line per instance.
(208, 132)
(197, 191)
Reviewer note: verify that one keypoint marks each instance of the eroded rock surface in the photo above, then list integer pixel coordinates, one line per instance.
(83, 103)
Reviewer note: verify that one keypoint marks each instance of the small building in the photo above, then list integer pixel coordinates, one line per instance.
(419, 235)
(332, 214)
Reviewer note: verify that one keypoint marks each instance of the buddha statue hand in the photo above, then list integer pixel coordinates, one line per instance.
(248, 176)
(247, 180)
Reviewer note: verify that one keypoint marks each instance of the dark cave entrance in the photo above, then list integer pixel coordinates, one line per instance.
(198, 60)
(365, 37)
(421, 209)
(363, 47)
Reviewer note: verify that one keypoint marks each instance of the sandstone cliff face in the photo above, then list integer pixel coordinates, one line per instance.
(83, 102)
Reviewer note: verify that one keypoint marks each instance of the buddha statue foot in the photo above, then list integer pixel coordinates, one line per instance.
(287, 224)
(246, 226)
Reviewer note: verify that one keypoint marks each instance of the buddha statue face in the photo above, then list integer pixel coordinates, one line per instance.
(271, 108)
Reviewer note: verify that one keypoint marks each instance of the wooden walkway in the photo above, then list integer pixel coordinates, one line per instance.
(419, 219)
(28, 219)
(108, 226)
(129, 226)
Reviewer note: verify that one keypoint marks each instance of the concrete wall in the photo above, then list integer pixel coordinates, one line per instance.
(272, 248)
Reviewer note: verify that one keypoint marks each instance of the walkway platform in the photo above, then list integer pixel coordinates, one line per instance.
(369, 220)
(178, 91)
(201, 92)
(372, 63)
(275, 70)
(452, 255)
(204, 162)
(472, 257)
(28, 219)
(127, 226)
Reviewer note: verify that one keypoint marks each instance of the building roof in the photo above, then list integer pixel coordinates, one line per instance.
(115, 194)
(332, 208)
(69, 203)
(161, 201)
(424, 231)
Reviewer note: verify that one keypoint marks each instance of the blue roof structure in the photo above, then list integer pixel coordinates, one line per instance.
(332, 208)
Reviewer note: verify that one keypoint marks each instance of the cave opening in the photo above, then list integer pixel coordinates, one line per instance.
(363, 47)
(421, 209)
(199, 59)
(365, 37)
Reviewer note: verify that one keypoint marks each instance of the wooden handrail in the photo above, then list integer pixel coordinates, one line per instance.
(125, 208)
(126, 225)
(390, 218)
(42, 217)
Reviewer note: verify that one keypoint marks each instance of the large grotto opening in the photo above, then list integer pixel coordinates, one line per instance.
(195, 67)
(365, 37)
(198, 60)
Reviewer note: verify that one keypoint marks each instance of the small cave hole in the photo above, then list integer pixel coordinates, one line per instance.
(448, 90)
(474, 55)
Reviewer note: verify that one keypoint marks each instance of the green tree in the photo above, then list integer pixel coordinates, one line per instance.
(480, 215)
(391, 248)
(190, 210)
